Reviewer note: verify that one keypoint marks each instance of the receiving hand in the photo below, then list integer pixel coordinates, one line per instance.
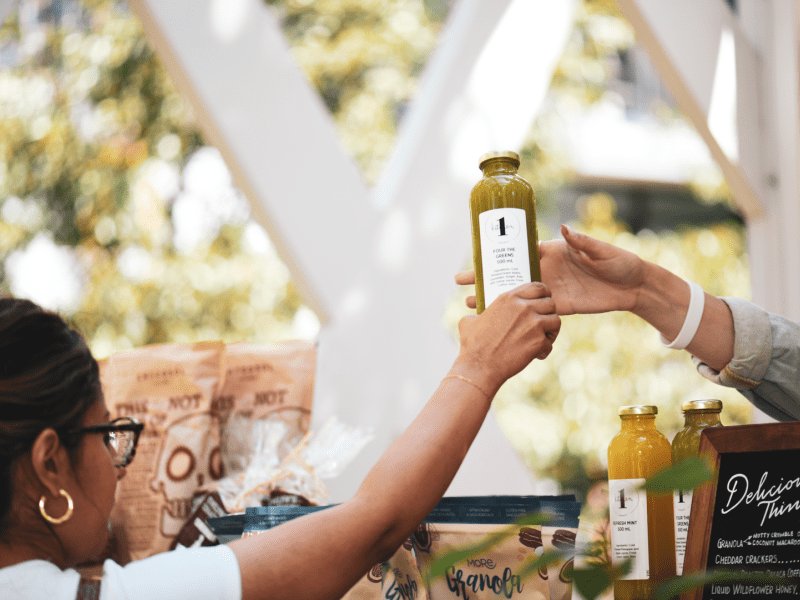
(585, 275)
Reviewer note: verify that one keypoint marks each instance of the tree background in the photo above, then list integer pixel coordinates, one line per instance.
(116, 212)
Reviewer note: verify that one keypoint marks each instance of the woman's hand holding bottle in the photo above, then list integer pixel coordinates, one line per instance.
(518, 327)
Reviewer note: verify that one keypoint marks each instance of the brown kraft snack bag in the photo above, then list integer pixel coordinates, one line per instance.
(196, 531)
(493, 575)
(401, 577)
(169, 388)
(265, 385)
(563, 540)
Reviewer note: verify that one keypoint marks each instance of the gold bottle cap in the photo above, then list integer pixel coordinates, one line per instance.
(693, 405)
(638, 409)
(489, 155)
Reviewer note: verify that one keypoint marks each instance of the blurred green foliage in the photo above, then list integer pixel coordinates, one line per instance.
(95, 139)
(364, 57)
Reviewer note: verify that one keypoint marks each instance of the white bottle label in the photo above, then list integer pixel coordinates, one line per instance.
(504, 251)
(628, 515)
(682, 503)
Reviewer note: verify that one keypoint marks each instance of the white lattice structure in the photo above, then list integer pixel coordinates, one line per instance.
(376, 264)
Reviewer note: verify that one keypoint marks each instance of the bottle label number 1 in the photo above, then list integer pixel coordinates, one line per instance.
(627, 505)
(504, 251)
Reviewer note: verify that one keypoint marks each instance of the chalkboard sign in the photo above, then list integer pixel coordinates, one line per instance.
(748, 517)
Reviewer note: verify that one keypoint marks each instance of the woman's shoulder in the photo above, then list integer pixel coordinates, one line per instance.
(36, 579)
(209, 572)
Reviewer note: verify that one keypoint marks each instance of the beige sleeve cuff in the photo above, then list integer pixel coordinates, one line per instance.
(752, 347)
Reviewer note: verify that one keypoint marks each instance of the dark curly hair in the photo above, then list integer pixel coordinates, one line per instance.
(48, 378)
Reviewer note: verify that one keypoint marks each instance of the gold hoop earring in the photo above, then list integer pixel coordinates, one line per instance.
(64, 517)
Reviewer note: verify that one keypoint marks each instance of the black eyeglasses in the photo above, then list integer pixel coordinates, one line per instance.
(120, 437)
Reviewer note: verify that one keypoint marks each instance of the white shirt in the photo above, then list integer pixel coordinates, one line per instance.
(210, 573)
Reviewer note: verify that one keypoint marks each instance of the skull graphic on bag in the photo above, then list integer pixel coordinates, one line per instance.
(189, 458)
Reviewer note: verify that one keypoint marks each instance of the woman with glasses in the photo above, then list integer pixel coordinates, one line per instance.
(61, 458)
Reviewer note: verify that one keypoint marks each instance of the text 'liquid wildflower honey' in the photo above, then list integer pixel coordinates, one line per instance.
(505, 244)
(698, 415)
(641, 523)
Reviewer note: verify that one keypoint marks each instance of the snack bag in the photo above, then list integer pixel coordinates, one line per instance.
(500, 570)
(493, 509)
(259, 519)
(492, 575)
(266, 398)
(401, 577)
(560, 534)
(197, 531)
(228, 528)
(560, 571)
(297, 480)
(169, 388)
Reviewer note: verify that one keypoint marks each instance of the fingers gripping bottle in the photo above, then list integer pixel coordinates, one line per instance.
(698, 415)
(641, 522)
(505, 245)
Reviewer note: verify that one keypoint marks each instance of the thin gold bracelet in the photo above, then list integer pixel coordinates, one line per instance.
(472, 383)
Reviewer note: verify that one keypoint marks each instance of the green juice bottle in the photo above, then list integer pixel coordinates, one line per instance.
(698, 415)
(505, 246)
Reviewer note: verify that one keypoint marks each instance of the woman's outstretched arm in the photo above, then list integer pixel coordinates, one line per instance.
(322, 555)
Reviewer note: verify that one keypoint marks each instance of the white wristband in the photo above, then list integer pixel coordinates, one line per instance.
(697, 301)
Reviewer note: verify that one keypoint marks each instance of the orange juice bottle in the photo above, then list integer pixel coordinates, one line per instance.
(698, 415)
(642, 524)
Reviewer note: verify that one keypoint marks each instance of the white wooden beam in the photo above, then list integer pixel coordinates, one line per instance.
(470, 92)
(376, 264)
(695, 45)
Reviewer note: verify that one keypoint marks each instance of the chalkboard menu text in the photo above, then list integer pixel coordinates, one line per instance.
(748, 518)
